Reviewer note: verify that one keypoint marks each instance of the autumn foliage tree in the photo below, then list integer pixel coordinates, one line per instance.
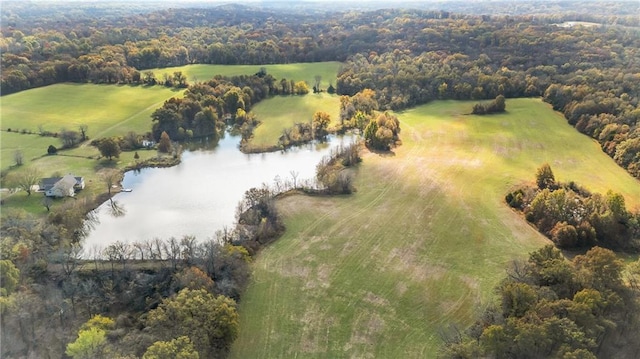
(554, 308)
(165, 143)
(210, 322)
(545, 177)
(382, 132)
(321, 122)
(178, 348)
(92, 339)
(573, 217)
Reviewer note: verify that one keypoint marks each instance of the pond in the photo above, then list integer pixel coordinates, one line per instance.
(199, 196)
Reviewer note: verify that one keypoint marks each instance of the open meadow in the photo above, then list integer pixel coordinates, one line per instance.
(422, 242)
(307, 71)
(107, 110)
(280, 112)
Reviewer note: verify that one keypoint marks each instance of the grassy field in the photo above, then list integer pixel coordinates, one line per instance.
(423, 241)
(280, 112)
(298, 72)
(107, 110)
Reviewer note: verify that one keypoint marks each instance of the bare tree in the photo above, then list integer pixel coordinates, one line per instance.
(140, 248)
(47, 202)
(294, 175)
(83, 132)
(69, 138)
(18, 157)
(116, 209)
(71, 257)
(210, 251)
(118, 251)
(26, 179)
(96, 254)
(158, 244)
(148, 249)
(172, 250)
(110, 177)
(316, 86)
(189, 247)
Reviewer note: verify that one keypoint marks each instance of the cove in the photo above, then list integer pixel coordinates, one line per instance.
(199, 196)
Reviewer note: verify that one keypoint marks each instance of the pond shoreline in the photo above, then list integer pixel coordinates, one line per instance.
(198, 193)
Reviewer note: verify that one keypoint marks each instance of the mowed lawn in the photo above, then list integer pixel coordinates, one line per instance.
(307, 71)
(280, 112)
(107, 110)
(422, 242)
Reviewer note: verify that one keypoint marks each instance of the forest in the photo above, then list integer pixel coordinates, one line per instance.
(55, 304)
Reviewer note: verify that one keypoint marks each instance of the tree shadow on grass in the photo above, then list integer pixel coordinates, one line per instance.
(105, 163)
(381, 153)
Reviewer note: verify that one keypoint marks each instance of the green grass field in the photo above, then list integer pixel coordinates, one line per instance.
(298, 72)
(280, 112)
(422, 242)
(107, 110)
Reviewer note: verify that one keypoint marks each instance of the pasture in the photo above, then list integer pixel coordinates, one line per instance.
(280, 112)
(422, 242)
(107, 110)
(298, 72)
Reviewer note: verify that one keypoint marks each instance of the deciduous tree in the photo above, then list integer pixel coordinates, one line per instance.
(18, 157)
(165, 143)
(210, 322)
(545, 177)
(26, 179)
(321, 122)
(69, 138)
(179, 348)
(109, 148)
(9, 277)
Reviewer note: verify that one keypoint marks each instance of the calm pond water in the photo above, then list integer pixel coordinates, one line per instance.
(199, 196)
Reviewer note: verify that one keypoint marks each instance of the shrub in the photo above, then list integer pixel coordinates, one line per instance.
(564, 235)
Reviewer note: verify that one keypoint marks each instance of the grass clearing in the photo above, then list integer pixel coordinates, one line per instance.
(423, 241)
(299, 71)
(106, 109)
(280, 112)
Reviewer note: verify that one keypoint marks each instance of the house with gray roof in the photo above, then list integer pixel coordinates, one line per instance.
(66, 186)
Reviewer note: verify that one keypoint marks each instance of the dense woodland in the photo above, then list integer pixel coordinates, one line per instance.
(120, 304)
(550, 307)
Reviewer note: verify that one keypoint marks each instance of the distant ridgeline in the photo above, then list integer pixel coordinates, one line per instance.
(572, 217)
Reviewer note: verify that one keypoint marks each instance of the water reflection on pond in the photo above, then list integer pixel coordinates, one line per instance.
(199, 196)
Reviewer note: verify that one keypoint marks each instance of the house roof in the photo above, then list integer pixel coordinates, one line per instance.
(48, 183)
(66, 183)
